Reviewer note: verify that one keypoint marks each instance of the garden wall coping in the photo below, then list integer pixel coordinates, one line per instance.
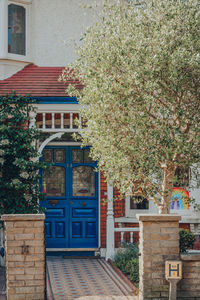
(22, 217)
(190, 257)
(158, 217)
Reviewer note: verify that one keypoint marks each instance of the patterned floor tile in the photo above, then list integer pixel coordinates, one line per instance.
(84, 279)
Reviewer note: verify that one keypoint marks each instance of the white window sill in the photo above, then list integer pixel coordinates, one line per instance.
(16, 57)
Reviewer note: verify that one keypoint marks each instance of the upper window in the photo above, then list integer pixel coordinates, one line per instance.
(16, 29)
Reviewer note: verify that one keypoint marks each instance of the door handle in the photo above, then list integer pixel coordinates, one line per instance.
(84, 204)
(53, 202)
(71, 202)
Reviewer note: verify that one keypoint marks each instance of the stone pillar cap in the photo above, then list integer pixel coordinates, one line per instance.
(158, 217)
(23, 217)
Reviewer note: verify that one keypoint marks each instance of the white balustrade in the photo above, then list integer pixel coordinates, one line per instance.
(62, 121)
(71, 120)
(53, 120)
(127, 229)
(57, 121)
(43, 121)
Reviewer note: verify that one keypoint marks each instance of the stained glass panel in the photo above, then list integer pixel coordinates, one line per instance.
(54, 181)
(87, 158)
(16, 29)
(59, 155)
(48, 155)
(83, 181)
(77, 155)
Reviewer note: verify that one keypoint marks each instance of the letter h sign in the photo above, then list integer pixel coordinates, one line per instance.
(173, 269)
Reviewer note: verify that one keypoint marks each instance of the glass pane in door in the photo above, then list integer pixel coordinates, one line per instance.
(54, 181)
(83, 181)
(87, 158)
(48, 155)
(59, 155)
(77, 155)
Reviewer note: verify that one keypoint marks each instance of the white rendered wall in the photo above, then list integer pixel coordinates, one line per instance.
(53, 28)
(10, 67)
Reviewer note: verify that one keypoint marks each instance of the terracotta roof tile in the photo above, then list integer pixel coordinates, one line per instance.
(37, 81)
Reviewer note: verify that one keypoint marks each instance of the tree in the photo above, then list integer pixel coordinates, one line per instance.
(19, 170)
(140, 70)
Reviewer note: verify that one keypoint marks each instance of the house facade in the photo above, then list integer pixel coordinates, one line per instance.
(83, 212)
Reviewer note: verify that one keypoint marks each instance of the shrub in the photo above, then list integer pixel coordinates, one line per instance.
(127, 261)
(19, 166)
(186, 241)
(132, 269)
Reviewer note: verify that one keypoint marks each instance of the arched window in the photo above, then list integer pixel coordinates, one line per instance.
(16, 29)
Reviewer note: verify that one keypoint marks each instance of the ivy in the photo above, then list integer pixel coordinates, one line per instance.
(19, 166)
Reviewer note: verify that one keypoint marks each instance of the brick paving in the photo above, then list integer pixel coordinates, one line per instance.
(85, 279)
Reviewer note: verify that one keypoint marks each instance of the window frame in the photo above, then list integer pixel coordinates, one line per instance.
(4, 54)
(131, 213)
(23, 20)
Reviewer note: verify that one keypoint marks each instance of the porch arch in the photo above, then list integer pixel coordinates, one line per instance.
(48, 140)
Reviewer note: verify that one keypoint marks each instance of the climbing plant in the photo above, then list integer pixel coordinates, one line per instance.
(19, 166)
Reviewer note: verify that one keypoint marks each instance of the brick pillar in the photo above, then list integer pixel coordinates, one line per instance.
(159, 241)
(25, 256)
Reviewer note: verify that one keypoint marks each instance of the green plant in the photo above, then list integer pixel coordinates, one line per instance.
(186, 240)
(126, 259)
(19, 166)
(141, 93)
(132, 270)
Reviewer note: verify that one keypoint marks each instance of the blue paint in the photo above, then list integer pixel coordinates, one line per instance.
(71, 221)
(66, 254)
(55, 100)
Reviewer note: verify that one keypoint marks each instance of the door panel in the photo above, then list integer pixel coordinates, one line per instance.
(84, 218)
(56, 223)
(71, 186)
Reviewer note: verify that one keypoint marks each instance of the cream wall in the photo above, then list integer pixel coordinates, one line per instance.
(56, 25)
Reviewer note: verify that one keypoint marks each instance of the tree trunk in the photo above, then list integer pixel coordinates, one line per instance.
(169, 172)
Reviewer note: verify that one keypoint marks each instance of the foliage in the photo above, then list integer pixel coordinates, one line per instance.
(126, 259)
(19, 167)
(132, 269)
(186, 240)
(140, 70)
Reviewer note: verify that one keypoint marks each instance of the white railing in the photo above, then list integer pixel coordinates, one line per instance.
(2, 244)
(127, 229)
(58, 121)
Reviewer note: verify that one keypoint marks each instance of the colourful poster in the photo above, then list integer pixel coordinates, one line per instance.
(180, 199)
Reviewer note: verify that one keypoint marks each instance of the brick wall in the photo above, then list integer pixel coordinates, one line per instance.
(159, 241)
(25, 256)
(118, 207)
(189, 286)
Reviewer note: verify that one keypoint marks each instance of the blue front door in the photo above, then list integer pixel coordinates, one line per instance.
(71, 186)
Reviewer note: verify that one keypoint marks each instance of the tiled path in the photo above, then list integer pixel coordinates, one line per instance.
(84, 279)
